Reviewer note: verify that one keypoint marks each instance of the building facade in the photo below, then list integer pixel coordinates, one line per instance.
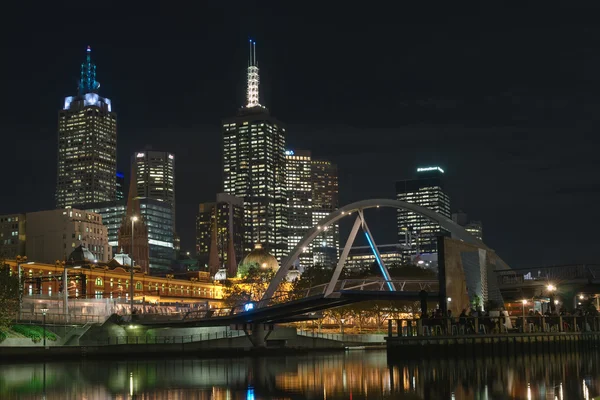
(220, 233)
(417, 233)
(475, 228)
(87, 144)
(325, 200)
(299, 184)
(157, 215)
(155, 176)
(362, 257)
(52, 235)
(12, 236)
(254, 169)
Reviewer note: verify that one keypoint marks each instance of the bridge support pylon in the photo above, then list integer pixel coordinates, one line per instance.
(258, 333)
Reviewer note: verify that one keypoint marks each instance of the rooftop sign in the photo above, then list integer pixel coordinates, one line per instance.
(425, 169)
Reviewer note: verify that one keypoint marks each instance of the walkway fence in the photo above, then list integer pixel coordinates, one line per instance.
(113, 340)
(347, 338)
(59, 319)
(491, 325)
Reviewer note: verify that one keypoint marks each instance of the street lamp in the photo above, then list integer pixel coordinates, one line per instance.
(342, 320)
(551, 288)
(44, 311)
(524, 301)
(131, 288)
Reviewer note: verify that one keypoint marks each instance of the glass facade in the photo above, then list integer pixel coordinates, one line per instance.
(158, 219)
(324, 179)
(417, 233)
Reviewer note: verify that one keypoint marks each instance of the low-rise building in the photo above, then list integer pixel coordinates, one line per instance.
(362, 257)
(52, 235)
(12, 235)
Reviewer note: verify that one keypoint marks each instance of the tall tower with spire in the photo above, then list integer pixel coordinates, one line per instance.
(134, 220)
(254, 167)
(87, 144)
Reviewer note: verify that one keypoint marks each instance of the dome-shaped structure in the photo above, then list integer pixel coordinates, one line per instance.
(262, 258)
(81, 254)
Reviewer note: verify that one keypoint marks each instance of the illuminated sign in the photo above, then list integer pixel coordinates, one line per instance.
(171, 156)
(248, 306)
(140, 155)
(289, 152)
(425, 169)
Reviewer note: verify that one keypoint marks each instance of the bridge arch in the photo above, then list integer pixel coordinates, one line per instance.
(357, 209)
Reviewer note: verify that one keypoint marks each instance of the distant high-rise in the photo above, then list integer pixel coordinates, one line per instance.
(475, 228)
(155, 172)
(325, 200)
(220, 233)
(299, 184)
(254, 168)
(417, 233)
(87, 144)
(120, 186)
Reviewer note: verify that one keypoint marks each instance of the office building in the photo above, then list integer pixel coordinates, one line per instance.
(52, 235)
(362, 257)
(220, 234)
(155, 172)
(417, 233)
(475, 228)
(87, 144)
(12, 236)
(299, 185)
(157, 215)
(325, 200)
(254, 168)
(120, 186)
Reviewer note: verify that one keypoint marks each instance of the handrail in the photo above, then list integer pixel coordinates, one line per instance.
(181, 339)
(486, 325)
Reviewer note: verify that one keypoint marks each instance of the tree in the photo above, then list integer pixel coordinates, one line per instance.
(312, 276)
(10, 294)
(249, 287)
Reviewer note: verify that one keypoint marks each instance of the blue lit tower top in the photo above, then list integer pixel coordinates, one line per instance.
(88, 83)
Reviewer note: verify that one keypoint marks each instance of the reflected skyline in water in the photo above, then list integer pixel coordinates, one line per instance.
(356, 375)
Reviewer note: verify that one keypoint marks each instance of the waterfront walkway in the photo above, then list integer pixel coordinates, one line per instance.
(492, 337)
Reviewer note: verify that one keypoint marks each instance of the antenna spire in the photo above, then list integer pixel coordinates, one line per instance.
(253, 78)
(88, 83)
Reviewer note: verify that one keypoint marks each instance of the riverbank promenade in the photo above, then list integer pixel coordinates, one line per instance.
(491, 337)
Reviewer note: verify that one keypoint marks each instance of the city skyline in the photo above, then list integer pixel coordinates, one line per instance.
(503, 151)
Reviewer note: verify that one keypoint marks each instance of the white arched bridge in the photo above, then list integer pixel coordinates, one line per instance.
(337, 292)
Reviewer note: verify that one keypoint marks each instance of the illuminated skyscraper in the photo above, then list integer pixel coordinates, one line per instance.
(475, 228)
(87, 144)
(299, 201)
(416, 232)
(254, 168)
(155, 172)
(324, 201)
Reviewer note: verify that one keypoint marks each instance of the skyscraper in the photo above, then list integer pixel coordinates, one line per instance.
(416, 232)
(155, 172)
(475, 228)
(325, 200)
(220, 233)
(299, 184)
(87, 144)
(254, 168)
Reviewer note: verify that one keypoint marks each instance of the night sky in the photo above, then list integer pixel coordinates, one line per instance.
(504, 99)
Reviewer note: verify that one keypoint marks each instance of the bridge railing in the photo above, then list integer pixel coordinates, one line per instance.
(466, 326)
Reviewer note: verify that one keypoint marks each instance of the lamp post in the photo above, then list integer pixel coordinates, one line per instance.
(551, 288)
(524, 301)
(44, 311)
(131, 288)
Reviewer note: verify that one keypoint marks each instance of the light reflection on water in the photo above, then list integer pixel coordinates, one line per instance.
(353, 375)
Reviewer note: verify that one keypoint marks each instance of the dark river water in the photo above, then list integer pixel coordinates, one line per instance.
(350, 375)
